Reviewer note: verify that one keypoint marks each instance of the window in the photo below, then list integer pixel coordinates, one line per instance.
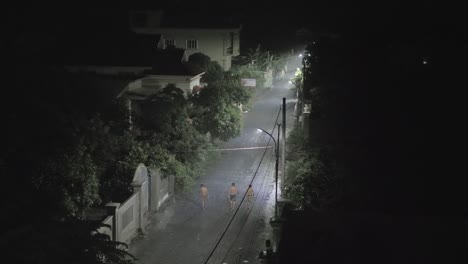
(192, 44)
(169, 42)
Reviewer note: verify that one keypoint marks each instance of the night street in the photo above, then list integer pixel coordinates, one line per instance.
(185, 132)
(183, 233)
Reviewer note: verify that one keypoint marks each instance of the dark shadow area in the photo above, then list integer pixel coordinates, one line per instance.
(393, 84)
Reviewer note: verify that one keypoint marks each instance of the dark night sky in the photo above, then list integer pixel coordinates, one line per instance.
(257, 16)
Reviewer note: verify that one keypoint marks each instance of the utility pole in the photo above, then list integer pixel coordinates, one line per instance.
(276, 173)
(283, 149)
(277, 143)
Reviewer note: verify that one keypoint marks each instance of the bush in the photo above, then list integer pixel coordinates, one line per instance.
(311, 181)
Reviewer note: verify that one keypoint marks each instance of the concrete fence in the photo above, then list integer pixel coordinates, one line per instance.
(151, 189)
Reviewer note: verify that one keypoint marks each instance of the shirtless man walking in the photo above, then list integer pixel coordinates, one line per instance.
(232, 196)
(203, 195)
(250, 193)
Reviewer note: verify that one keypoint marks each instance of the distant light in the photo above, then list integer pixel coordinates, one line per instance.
(300, 55)
(309, 55)
(259, 130)
(424, 62)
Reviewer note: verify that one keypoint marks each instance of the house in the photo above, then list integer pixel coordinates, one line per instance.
(216, 37)
(170, 66)
(143, 61)
(133, 65)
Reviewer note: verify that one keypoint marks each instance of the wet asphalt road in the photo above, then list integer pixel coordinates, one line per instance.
(181, 232)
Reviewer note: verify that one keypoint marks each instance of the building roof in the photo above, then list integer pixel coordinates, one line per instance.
(172, 61)
(127, 49)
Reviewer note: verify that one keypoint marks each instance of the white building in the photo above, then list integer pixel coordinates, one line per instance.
(220, 43)
(150, 84)
(169, 67)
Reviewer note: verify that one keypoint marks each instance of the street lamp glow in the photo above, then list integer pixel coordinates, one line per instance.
(262, 130)
(300, 55)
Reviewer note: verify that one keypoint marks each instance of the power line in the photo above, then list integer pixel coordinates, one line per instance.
(245, 194)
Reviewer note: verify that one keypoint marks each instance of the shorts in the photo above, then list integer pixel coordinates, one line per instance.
(232, 197)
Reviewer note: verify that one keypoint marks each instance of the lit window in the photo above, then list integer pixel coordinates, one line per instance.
(169, 42)
(192, 44)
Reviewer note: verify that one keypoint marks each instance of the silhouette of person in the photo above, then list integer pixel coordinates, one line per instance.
(232, 196)
(203, 195)
(250, 193)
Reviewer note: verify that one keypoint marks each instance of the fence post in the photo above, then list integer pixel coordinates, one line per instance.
(112, 210)
(155, 184)
(137, 189)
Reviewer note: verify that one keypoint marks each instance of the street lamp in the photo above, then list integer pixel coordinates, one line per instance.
(276, 166)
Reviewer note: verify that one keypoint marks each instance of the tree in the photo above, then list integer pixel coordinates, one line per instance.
(71, 241)
(229, 90)
(168, 140)
(218, 111)
(264, 60)
(129, 152)
(221, 120)
(253, 56)
(167, 124)
(160, 111)
(72, 177)
(213, 71)
(200, 60)
(279, 64)
(312, 182)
